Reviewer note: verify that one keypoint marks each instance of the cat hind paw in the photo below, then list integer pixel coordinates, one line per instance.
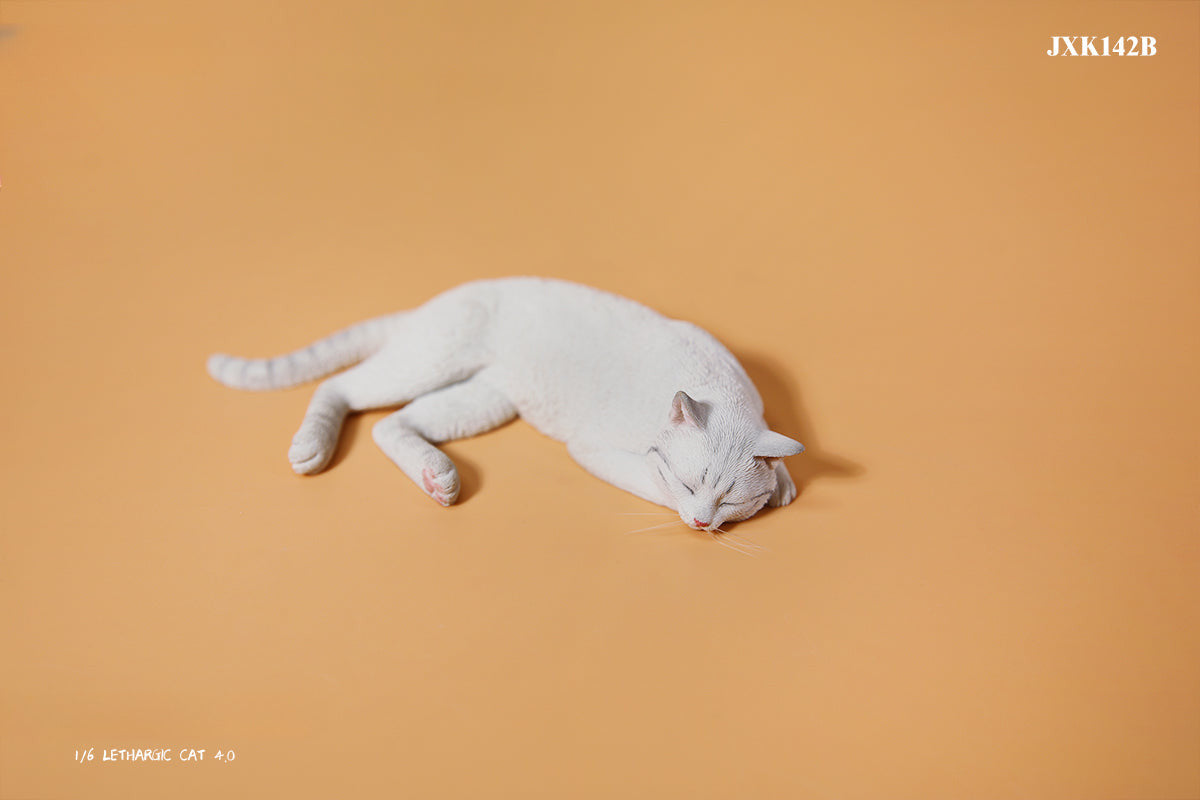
(309, 454)
(442, 485)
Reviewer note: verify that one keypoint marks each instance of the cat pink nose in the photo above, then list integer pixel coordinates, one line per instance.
(699, 524)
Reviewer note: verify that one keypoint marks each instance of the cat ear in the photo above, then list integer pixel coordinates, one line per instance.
(775, 445)
(686, 411)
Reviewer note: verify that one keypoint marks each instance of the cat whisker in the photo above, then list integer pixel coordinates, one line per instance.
(647, 513)
(735, 548)
(733, 537)
(655, 527)
(721, 541)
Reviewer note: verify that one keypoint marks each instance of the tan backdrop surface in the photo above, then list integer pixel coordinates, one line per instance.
(965, 273)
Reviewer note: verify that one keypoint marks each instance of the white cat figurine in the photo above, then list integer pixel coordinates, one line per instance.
(654, 406)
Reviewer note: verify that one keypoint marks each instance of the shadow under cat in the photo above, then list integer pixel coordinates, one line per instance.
(786, 414)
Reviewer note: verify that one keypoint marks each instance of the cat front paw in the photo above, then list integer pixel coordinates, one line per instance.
(441, 484)
(785, 487)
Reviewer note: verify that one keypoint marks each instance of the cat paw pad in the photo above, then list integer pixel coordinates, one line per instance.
(441, 486)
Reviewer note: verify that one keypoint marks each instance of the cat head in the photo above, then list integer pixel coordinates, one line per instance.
(717, 465)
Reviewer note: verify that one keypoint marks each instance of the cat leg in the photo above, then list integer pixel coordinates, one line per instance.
(453, 412)
(415, 362)
(785, 488)
(622, 469)
(372, 384)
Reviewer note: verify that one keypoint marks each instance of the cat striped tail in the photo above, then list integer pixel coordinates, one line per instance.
(322, 357)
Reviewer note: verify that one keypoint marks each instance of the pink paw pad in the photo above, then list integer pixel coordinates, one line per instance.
(427, 477)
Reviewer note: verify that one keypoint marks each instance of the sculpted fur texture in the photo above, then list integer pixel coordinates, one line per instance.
(654, 406)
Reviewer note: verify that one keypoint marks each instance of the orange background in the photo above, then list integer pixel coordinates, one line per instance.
(966, 274)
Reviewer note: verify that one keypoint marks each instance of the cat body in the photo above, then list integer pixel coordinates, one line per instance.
(655, 406)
